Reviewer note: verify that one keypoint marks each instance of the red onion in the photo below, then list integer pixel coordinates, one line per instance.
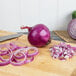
(3, 52)
(15, 62)
(5, 61)
(63, 51)
(17, 55)
(33, 49)
(29, 59)
(39, 35)
(12, 46)
(72, 29)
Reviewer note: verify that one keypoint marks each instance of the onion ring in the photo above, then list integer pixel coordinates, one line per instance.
(29, 60)
(17, 55)
(18, 63)
(19, 52)
(32, 54)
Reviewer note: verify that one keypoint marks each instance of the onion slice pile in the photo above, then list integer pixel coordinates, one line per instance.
(62, 51)
(10, 53)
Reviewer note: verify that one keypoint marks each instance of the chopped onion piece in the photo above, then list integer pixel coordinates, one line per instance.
(63, 51)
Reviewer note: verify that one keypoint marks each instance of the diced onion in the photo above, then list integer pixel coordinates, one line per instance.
(62, 51)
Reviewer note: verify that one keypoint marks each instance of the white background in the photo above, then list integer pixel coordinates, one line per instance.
(55, 14)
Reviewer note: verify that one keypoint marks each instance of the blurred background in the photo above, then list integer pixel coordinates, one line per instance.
(55, 14)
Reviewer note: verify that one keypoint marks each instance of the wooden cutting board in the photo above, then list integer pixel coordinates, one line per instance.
(65, 36)
(43, 64)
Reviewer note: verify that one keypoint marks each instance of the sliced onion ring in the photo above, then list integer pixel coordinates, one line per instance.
(29, 60)
(5, 61)
(13, 46)
(17, 55)
(19, 52)
(18, 63)
(32, 54)
(3, 52)
(4, 46)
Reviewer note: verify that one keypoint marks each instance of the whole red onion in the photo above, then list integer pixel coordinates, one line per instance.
(39, 35)
(72, 29)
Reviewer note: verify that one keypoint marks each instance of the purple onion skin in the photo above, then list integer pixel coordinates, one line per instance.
(72, 29)
(39, 35)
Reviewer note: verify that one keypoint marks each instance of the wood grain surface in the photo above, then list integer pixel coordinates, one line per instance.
(43, 64)
(64, 35)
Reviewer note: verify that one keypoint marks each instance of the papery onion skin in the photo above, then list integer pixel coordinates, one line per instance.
(72, 29)
(39, 35)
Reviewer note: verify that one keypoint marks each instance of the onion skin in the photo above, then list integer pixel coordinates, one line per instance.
(72, 29)
(39, 35)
